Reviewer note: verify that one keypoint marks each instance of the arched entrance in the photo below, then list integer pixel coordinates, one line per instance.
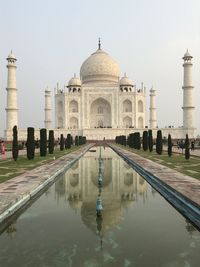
(100, 114)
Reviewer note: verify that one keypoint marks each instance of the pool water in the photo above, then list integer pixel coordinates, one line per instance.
(137, 226)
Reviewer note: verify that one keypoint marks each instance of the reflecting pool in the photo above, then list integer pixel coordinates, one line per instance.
(137, 226)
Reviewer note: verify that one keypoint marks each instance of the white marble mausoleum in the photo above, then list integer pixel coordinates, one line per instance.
(101, 104)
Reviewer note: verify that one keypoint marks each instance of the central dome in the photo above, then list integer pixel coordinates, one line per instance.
(99, 67)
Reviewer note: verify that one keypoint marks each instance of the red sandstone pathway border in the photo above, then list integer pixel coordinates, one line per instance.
(180, 190)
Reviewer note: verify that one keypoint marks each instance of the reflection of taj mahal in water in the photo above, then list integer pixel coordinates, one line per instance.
(121, 187)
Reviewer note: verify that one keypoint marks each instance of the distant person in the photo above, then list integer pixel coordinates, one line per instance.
(192, 145)
(3, 150)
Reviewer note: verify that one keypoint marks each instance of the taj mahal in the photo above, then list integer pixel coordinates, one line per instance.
(101, 104)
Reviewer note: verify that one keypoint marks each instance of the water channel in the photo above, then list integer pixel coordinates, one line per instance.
(137, 226)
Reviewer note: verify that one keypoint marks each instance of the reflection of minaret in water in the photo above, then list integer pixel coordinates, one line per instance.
(99, 207)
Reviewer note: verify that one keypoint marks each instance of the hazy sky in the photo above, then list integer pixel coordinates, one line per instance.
(51, 39)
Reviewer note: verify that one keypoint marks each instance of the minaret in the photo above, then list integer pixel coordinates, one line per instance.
(47, 109)
(188, 101)
(152, 109)
(11, 109)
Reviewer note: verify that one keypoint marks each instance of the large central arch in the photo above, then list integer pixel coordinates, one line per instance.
(100, 113)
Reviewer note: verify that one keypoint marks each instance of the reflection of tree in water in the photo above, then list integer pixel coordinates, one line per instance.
(60, 186)
(190, 227)
(126, 166)
(75, 165)
(11, 230)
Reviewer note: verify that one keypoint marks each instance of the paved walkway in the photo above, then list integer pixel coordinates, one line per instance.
(180, 190)
(17, 191)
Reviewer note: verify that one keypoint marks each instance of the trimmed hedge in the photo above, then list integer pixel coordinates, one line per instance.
(145, 140)
(169, 142)
(51, 142)
(15, 147)
(30, 144)
(43, 142)
(159, 145)
(150, 140)
(62, 142)
(187, 147)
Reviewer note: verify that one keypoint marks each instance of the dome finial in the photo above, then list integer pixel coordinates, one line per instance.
(99, 43)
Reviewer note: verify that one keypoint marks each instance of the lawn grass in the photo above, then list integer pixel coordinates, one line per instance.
(10, 168)
(177, 161)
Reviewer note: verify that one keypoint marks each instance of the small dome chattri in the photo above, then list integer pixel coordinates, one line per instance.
(11, 56)
(125, 81)
(74, 81)
(187, 55)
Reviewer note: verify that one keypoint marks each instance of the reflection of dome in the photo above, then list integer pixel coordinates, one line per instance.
(74, 81)
(125, 81)
(100, 67)
(112, 215)
(106, 173)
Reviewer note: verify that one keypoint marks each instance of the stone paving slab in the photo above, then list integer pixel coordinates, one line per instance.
(17, 191)
(177, 185)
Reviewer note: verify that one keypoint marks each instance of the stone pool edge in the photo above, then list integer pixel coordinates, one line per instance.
(182, 203)
(19, 202)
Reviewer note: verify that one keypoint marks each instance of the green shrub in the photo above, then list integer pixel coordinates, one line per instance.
(169, 142)
(187, 147)
(159, 145)
(15, 144)
(62, 142)
(43, 142)
(145, 140)
(51, 142)
(30, 144)
(76, 141)
(150, 140)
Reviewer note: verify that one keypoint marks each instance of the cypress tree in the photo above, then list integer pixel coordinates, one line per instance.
(15, 144)
(84, 139)
(138, 141)
(150, 140)
(80, 140)
(30, 144)
(62, 142)
(159, 145)
(145, 140)
(169, 142)
(43, 142)
(72, 141)
(51, 142)
(131, 140)
(128, 140)
(76, 140)
(187, 147)
(68, 141)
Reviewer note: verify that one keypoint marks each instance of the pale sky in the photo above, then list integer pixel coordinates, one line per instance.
(51, 39)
